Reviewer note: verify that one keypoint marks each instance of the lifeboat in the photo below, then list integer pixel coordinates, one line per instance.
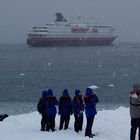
(79, 29)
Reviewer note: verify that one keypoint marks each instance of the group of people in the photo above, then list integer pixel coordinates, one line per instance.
(66, 107)
(79, 104)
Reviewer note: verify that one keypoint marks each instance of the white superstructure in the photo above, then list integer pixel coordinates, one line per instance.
(62, 32)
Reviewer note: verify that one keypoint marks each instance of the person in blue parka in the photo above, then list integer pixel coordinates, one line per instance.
(41, 110)
(90, 100)
(78, 108)
(65, 109)
(50, 110)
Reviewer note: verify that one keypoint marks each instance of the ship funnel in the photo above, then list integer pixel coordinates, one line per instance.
(60, 18)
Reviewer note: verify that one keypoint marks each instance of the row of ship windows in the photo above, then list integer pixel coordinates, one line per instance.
(36, 35)
(40, 30)
(81, 33)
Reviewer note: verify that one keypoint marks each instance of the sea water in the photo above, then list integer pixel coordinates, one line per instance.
(26, 71)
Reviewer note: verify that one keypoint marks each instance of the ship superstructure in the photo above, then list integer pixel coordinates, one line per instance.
(61, 33)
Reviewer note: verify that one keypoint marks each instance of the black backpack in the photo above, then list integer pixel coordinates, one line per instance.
(40, 107)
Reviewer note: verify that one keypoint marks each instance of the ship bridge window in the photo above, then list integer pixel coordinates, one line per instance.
(112, 29)
(44, 27)
(34, 28)
(95, 30)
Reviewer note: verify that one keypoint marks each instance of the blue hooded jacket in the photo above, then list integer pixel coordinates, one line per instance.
(78, 106)
(65, 104)
(50, 92)
(90, 100)
(44, 93)
(50, 103)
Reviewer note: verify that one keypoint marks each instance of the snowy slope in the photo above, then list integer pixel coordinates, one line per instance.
(108, 125)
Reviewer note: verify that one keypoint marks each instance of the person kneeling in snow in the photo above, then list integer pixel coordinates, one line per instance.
(135, 111)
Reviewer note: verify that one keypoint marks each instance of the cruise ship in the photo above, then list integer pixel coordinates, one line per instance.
(64, 33)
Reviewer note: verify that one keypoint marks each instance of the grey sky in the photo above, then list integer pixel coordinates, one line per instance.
(18, 16)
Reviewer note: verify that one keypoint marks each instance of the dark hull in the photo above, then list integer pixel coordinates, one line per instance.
(93, 42)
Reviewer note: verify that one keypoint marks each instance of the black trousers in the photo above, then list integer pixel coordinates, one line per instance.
(88, 130)
(43, 122)
(50, 123)
(78, 122)
(64, 121)
(135, 123)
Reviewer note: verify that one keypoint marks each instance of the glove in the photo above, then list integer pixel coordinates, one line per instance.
(81, 112)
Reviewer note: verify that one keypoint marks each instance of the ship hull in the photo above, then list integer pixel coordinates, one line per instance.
(106, 41)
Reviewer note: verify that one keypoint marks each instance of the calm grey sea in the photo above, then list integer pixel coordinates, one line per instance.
(26, 71)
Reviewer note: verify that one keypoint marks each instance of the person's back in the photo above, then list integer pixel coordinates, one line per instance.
(50, 110)
(65, 104)
(65, 109)
(41, 110)
(78, 109)
(78, 105)
(50, 104)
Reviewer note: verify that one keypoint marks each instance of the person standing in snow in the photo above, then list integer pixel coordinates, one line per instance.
(90, 100)
(65, 109)
(41, 110)
(135, 111)
(50, 110)
(78, 109)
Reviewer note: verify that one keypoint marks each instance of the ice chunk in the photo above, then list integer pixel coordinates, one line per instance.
(21, 74)
(93, 87)
(111, 85)
(49, 63)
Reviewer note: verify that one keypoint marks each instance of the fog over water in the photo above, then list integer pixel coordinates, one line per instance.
(18, 16)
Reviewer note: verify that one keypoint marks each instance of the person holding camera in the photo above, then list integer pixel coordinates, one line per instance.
(135, 111)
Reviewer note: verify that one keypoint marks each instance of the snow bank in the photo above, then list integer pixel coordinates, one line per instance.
(108, 125)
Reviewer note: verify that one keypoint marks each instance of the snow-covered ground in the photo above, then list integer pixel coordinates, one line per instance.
(108, 125)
